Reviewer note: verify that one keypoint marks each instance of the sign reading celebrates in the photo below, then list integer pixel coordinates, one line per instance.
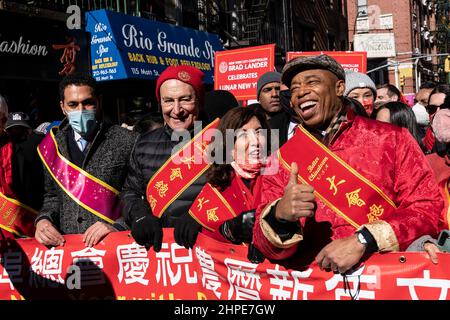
(124, 46)
(349, 60)
(239, 70)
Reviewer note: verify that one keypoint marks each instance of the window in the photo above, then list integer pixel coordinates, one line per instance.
(362, 8)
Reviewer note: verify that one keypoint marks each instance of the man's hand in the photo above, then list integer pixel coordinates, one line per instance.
(47, 234)
(297, 201)
(97, 232)
(147, 231)
(341, 255)
(432, 251)
(186, 231)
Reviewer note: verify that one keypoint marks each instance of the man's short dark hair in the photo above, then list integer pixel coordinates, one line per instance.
(427, 85)
(391, 90)
(77, 79)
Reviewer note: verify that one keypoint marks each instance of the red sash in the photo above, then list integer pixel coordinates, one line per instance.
(91, 193)
(16, 217)
(337, 184)
(211, 209)
(179, 172)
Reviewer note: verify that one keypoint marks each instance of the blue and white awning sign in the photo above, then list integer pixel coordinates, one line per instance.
(124, 46)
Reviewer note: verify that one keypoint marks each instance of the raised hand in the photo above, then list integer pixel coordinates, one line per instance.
(298, 199)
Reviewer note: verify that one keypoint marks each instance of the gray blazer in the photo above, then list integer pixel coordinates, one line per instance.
(107, 159)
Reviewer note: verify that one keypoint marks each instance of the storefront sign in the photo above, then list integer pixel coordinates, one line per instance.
(45, 51)
(238, 70)
(124, 46)
(350, 60)
(377, 45)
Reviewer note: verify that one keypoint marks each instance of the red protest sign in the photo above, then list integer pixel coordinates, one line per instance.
(239, 70)
(350, 60)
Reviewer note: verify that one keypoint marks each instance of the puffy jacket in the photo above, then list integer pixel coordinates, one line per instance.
(151, 151)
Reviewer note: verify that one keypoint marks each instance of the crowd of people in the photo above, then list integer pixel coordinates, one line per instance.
(326, 167)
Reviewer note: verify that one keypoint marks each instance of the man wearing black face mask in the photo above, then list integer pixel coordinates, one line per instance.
(85, 161)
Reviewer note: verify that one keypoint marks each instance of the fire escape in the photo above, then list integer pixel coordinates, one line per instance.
(256, 17)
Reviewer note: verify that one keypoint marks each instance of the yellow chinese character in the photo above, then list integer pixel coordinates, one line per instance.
(162, 188)
(375, 212)
(334, 186)
(354, 199)
(176, 173)
(211, 213)
(152, 203)
(201, 202)
(188, 161)
(201, 146)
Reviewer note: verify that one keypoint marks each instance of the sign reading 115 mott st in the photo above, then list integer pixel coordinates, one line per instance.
(124, 46)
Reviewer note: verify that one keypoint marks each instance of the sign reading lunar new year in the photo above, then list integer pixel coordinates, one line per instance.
(238, 70)
(349, 60)
(118, 268)
(124, 46)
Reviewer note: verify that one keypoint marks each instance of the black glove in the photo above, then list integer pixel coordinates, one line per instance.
(254, 255)
(240, 228)
(186, 231)
(147, 232)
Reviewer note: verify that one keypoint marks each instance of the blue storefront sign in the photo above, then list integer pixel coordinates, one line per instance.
(124, 46)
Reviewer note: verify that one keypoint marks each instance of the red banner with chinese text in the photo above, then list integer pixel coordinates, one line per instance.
(118, 268)
(349, 60)
(238, 70)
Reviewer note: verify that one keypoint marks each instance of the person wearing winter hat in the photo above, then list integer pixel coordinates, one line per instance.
(268, 93)
(180, 93)
(360, 87)
(293, 224)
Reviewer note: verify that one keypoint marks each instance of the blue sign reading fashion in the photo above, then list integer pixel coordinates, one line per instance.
(124, 46)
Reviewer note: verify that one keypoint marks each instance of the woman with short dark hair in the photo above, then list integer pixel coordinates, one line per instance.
(233, 177)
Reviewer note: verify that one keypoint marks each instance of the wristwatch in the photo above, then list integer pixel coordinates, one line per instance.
(361, 238)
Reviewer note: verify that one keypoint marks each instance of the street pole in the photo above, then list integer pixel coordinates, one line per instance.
(396, 74)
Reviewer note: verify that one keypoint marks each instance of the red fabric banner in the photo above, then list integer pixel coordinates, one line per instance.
(118, 268)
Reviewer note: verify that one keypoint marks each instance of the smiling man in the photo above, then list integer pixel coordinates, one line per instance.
(180, 93)
(347, 186)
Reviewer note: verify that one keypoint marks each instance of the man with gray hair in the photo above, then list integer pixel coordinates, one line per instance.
(347, 186)
(268, 93)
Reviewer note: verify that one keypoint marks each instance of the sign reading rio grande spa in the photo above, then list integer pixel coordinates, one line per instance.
(349, 60)
(238, 70)
(124, 46)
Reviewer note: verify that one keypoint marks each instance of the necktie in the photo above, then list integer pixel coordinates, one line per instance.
(83, 144)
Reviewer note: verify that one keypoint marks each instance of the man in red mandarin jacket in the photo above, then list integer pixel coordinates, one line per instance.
(292, 224)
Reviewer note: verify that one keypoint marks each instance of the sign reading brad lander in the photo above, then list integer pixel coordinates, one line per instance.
(238, 70)
(349, 60)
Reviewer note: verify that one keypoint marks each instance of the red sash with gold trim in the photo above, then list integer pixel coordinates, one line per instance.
(91, 193)
(16, 217)
(211, 209)
(179, 172)
(337, 184)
